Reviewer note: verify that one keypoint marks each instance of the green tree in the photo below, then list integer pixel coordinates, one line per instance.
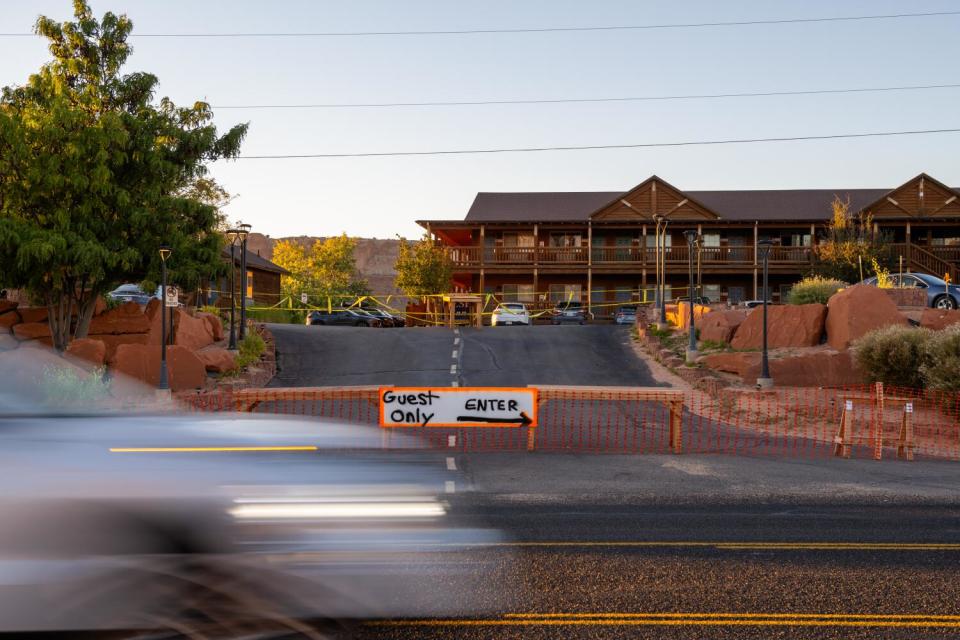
(849, 244)
(95, 175)
(327, 268)
(423, 268)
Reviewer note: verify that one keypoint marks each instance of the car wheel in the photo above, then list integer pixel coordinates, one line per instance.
(945, 302)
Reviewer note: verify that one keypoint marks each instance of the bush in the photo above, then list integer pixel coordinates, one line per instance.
(894, 355)
(941, 362)
(250, 349)
(814, 289)
(66, 388)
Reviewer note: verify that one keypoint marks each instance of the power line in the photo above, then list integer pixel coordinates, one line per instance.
(646, 145)
(463, 103)
(458, 32)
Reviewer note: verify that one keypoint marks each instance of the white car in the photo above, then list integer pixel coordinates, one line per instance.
(510, 313)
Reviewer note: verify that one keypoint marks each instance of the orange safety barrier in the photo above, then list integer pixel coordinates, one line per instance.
(867, 421)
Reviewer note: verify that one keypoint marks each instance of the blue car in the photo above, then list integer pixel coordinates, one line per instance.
(940, 295)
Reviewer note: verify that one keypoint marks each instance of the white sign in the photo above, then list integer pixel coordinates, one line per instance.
(458, 407)
(303, 298)
(173, 297)
(849, 405)
(908, 408)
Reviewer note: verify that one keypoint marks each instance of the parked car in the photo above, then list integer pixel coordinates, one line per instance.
(130, 293)
(626, 314)
(343, 317)
(568, 312)
(704, 300)
(750, 304)
(386, 318)
(940, 295)
(510, 313)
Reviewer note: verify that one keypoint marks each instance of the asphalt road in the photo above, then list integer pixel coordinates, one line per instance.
(492, 356)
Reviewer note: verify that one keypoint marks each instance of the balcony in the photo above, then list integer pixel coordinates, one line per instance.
(742, 255)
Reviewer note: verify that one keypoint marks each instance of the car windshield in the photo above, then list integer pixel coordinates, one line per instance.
(510, 306)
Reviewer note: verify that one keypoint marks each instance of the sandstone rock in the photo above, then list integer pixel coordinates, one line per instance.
(31, 330)
(821, 368)
(216, 326)
(141, 363)
(88, 350)
(732, 362)
(787, 326)
(720, 326)
(217, 360)
(127, 318)
(937, 319)
(9, 319)
(190, 332)
(112, 341)
(8, 305)
(8, 342)
(857, 310)
(33, 314)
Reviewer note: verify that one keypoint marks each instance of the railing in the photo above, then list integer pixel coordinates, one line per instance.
(950, 254)
(619, 255)
(931, 263)
(464, 256)
(563, 255)
(780, 255)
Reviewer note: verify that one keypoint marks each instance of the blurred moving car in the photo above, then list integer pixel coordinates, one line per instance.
(568, 312)
(130, 293)
(509, 313)
(940, 295)
(214, 526)
(626, 314)
(343, 317)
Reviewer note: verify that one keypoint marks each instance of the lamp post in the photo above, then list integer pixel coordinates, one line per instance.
(233, 234)
(691, 236)
(765, 381)
(244, 230)
(699, 245)
(165, 252)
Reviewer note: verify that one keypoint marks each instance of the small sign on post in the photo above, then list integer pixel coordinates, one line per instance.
(458, 407)
(303, 298)
(173, 297)
(849, 405)
(908, 408)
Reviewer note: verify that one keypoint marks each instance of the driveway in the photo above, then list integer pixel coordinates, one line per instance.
(492, 356)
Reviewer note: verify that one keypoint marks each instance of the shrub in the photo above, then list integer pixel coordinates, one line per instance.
(893, 355)
(250, 349)
(814, 289)
(63, 387)
(941, 362)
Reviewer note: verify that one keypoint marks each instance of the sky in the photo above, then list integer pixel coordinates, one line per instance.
(382, 197)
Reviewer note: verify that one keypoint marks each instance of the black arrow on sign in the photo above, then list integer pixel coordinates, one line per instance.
(523, 420)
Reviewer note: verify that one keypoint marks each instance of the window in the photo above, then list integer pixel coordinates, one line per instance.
(712, 292)
(652, 244)
(250, 284)
(711, 239)
(565, 239)
(518, 293)
(800, 240)
(624, 294)
(565, 292)
(735, 295)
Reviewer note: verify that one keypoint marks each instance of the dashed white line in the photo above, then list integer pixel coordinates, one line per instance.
(451, 464)
(456, 341)
(451, 441)
(453, 369)
(455, 384)
(450, 486)
(454, 356)
(456, 332)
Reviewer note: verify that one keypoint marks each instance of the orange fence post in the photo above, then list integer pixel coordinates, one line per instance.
(878, 424)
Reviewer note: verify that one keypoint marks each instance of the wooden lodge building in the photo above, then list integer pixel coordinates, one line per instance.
(599, 247)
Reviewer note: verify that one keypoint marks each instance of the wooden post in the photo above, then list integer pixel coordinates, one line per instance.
(536, 252)
(907, 257)
(905, 441)
(756, 239)
(676, 426)
(483, 251)
(842, 439)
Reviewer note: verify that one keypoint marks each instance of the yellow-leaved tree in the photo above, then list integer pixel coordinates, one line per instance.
(326, 268)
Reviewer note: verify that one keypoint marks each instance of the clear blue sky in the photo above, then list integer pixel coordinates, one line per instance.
(380, 197)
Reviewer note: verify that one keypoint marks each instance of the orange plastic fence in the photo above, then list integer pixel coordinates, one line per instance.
(867, 421)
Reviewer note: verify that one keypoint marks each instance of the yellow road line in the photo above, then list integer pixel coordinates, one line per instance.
(205, 449)
(863, 616)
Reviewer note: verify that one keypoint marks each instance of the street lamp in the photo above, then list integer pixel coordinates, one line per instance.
(243, 231)
(765, 381)
(691, 236)
(699, 245)
(661, 269)
(233, 235)
(165, 252)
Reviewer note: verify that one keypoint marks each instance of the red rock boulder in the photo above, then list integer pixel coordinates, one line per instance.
(127, 318)
(8, 319)
(738, 363)
(190, 332)
(820, 368)
(788, 325)
(216, 326)
(217, 360)
(857, 310)
(8, 305)
(33, 314)
(88, 350)
(141, 363)
(720, 326)
(111, 342)
(31, 330)
(937, 319)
